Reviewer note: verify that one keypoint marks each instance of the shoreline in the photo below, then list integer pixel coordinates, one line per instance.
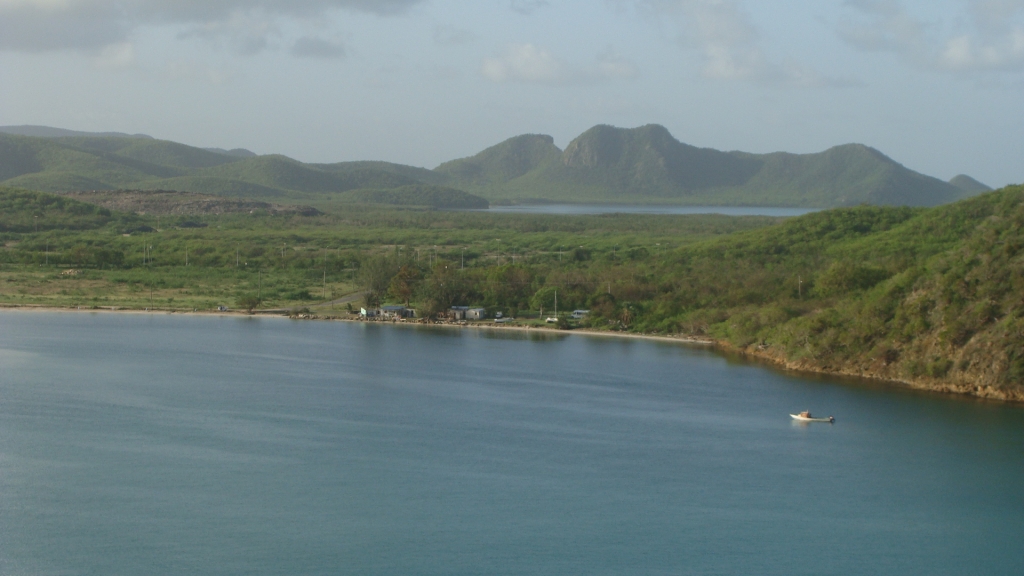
(316, 317)
(760, 357)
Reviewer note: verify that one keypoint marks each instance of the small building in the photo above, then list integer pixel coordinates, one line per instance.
(476, 314)
(580, 314)
(397, 312)
(369, 312)
(458, 312)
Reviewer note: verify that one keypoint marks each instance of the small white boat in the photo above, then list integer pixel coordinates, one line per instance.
(806, 417)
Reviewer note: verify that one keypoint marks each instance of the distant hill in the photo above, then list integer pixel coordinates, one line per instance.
(237, 152)
(47, 132)
(644, 165)
(648, 165)
(496, 166)
(411, 173)
(968, 184)
(63, 163)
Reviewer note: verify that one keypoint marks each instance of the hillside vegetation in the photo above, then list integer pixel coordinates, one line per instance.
(26, 211)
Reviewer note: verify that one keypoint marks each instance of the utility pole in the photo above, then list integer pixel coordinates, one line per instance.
(47, 251)
(556, 302)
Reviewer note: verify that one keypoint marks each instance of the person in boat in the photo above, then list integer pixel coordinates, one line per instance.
(805, 414)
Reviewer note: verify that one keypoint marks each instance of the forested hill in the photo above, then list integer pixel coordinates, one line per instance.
(648, 165)
(930, 297)
(644, 165)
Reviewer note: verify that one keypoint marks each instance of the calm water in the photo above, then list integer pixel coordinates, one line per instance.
(578, 209)
(135, 444)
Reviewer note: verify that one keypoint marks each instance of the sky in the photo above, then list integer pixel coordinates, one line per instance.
(937, 85)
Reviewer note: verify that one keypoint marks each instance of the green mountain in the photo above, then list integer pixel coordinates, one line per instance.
(648, 165)
(62, 162)
(644, 165)
(502, 163)
(968, 184)
(412, 173)
(237, 152)
(48, 132)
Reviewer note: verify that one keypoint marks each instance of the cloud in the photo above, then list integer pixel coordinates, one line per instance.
(190, 71)
(525, 63)
(42, 25)
(247, 33)
(531, 64)
(449, 36)
(987, 36)
(729, 43)
(610, 65)
(527, 7)
(120, 55)
(309, 47)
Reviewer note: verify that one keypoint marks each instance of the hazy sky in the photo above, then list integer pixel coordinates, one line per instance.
(938, 84)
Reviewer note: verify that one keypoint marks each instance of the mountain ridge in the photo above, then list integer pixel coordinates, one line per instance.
(606, 164)
(648, 165)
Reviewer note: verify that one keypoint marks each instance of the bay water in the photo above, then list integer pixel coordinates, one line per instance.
(171, 444)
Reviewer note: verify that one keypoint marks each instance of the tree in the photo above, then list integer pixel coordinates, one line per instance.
(403, 285)
(627, 315)
(443, 288)
(509, 286)
(375, 275)
(544, 298)
(249, 302)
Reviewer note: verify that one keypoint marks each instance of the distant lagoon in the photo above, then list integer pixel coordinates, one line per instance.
(587, 209)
